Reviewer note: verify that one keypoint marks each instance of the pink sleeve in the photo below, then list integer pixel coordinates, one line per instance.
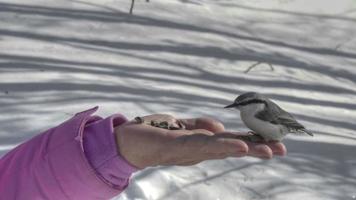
(53, 165)
(101, 150)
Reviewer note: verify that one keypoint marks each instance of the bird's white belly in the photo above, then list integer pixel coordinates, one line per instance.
(270, 132)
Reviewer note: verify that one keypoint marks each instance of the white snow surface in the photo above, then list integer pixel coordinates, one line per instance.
(187, 58)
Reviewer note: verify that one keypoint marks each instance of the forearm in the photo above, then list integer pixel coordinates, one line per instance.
(53, 165)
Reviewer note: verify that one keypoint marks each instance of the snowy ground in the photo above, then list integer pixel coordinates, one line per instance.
(187, 58)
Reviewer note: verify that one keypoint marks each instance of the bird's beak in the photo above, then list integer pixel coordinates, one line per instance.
(232, 105)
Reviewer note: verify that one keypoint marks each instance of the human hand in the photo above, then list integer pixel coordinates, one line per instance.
(202, 139)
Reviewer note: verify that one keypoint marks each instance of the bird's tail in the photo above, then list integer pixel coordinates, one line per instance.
(307, 132)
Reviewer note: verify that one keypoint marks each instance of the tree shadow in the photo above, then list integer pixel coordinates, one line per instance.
(142, 86)
(121, 17)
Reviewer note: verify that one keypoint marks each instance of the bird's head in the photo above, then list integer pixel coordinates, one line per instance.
(247, 98)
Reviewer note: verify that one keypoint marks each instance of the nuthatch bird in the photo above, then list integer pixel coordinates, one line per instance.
(265, 118)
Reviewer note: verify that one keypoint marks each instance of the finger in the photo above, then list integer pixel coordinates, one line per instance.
(229, 134)
(203, 123)
(259, 150)
(278, 148)
(197, 147)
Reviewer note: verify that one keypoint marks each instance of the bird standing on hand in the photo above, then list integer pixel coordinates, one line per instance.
(268, 121)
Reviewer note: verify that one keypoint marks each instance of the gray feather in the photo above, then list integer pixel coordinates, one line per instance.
(276, 115)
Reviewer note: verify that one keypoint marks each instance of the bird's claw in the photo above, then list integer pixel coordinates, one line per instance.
(252, 137)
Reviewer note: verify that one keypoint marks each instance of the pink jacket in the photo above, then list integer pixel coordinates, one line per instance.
(57, 165)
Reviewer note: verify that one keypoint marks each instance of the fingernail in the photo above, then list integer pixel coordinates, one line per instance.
(242, 148)
(279, 153)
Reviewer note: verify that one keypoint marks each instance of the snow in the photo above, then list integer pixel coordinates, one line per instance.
(188, 58)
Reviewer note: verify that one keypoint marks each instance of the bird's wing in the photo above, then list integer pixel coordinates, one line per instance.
(277, 115)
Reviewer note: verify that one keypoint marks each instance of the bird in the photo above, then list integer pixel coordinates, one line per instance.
(268, 121)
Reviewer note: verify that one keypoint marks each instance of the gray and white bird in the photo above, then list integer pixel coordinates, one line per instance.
(265, 118)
